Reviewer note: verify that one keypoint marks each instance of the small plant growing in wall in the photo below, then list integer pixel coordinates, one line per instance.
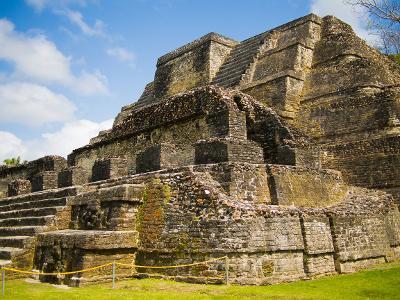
(13, 161)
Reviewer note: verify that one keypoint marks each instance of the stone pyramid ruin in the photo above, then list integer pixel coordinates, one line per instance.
(281, 152)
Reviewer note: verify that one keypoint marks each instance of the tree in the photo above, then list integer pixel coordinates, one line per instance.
(384, 20)
(14, 161)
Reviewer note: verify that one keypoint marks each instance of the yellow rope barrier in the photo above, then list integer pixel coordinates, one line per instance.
(170, 267)
(114, 265)
(59, 273)
(109, 264)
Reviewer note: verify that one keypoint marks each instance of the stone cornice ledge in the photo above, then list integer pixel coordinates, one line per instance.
(289, 73)
(212, 36)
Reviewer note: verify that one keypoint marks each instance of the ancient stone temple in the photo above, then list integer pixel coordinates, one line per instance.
(281, 152)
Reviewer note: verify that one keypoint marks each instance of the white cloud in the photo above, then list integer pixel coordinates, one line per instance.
(39, 5)
(76, 18)
(10, 146)
(121, 54)
(60, 7)
(89, 82)
(357, 18)
(37, 58)
(25, 100)
(32, 104)
(72, 135)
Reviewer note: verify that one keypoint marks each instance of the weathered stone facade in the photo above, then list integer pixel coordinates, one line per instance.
(239, 149)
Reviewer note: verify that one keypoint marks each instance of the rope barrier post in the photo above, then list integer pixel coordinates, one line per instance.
(113, 275)
(227, 270)
(3, 281)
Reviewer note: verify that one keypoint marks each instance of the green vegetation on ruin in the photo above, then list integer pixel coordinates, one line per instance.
(395, 57)
(383, 282)
(13, 161)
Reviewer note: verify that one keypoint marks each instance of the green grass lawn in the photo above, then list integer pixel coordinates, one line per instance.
(382, 282)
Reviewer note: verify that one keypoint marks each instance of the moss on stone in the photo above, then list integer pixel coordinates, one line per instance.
(267, 267)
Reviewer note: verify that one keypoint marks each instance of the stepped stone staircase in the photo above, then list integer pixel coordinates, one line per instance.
(243, 55)
(23, 217)
(102, 228)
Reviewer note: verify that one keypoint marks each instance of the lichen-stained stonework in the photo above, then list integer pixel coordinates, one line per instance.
(264, 151)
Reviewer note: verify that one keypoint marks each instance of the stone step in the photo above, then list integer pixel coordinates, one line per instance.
(251, 42)
(34, 204)
(21, 230)
(235, 58)
(242, 52)
(228, 83)
(244, 47)
(233, 67)
(7, 253)
(229, 79)
(30, 212)
(26, 221)
(236, 74)
(8, 201)
(4, 263)
(247, 46)
(37, 196)
(234, 70)
(255, 38)
(15, 241)
(235, 79)
(238, 61)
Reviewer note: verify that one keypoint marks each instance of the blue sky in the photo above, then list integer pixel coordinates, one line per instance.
(68, 66)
